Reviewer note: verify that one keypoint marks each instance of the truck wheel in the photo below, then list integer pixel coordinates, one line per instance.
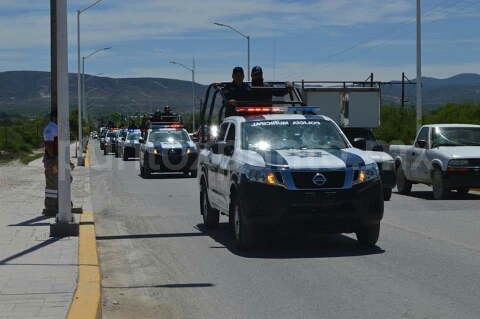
(104, 151)
(387, 194)
(211, 216)
(404, 186)
(194, 174)
(439, 189)
(116, 153)
(368, 236)
(244, 236)
(125, 156)
(463, 191)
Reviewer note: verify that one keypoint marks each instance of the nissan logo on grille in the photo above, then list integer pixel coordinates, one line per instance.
(319, 179)
(172, 151)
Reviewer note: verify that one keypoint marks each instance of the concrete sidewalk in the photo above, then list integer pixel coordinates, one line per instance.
(38, 274)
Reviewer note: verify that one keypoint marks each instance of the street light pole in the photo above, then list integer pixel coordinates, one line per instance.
(80, 130)
(243, 35)
(419, 67)
(83, 79)
(193, 88)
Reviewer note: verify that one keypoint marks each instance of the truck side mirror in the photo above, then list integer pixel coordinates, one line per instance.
(421, 143)
(141, 141)
(360, 143)
(377, 148)
(218, 148)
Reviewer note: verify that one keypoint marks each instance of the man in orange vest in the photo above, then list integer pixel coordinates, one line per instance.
(50, 162)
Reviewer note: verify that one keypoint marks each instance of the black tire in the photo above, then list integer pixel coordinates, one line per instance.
(147, 170)
(439, 189)
(243, 233)
(463, 191)
(211, 216)
(116, 153)
(387, 194)
(125, 156)
(368, 236)
(104, 151)
(404, 186)
(194, 174)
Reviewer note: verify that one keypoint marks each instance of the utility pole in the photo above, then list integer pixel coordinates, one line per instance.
(403, 89)
(419, 67)
(371, 80)
(53, 54)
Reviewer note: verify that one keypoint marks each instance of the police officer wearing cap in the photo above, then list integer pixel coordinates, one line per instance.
(265, 95)
(235, 91)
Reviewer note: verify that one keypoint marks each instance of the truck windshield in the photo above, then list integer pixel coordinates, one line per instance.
(455, 136)
(291, 134)
(167, 136)
(352, 134)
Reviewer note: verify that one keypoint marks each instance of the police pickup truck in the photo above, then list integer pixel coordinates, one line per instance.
(269, 169)
(167, 147)
(446, 156)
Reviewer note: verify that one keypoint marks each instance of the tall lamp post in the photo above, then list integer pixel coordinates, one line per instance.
(83, 77)
(193, 88)
(79, 84)
(419, 67)
(243, 35)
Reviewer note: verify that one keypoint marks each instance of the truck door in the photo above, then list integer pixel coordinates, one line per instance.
(224, 169)
(213, 166)
(419, 166)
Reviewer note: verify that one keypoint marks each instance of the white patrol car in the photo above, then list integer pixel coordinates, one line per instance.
(289, 169)
(168, 148)
(129, 146)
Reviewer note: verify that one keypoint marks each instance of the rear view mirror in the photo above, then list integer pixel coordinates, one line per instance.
(421, 143)
(218, 148)
(141, 140)
(360, 143)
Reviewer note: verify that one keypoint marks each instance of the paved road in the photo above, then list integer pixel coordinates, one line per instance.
(158, 261)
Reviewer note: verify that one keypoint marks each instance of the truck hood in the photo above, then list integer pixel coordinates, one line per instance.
(461, 152)
(379, 157)
(309, 159)
(183, 144)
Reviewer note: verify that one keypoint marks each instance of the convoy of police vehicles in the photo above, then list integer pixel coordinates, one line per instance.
(307, 159)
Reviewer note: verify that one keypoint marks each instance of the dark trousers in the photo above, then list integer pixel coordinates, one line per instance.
(51, 183)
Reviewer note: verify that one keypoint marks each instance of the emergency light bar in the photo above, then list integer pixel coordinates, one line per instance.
(306, 109)
(166, 125)
(260, 110)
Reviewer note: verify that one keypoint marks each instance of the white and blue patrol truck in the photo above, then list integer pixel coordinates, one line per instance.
(167, 147)
(271, 168)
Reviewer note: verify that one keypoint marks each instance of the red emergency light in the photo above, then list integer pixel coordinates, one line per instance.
(257, 109)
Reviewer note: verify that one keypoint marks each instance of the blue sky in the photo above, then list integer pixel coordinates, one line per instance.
(291, 40)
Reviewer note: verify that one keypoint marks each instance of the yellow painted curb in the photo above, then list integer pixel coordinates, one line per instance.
(86, 303)
(87, 156)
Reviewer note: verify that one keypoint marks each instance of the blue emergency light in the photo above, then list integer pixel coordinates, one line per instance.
(304, 109)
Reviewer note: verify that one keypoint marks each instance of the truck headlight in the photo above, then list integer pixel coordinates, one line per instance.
(260, 175)
(388, 166)
(458, 162)
(367, 173)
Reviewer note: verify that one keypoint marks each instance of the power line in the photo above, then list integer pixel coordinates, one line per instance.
(398, 26)
(388, 41)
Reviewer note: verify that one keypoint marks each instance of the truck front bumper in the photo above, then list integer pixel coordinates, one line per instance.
(343, 210)
(389, 179)
(469, 178)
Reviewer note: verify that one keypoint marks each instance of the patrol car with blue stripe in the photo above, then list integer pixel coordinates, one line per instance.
(268, 167)
(167, 147)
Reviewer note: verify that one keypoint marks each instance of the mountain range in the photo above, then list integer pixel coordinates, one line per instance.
(29, 92)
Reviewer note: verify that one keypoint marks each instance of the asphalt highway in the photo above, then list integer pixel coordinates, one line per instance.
(158, 261)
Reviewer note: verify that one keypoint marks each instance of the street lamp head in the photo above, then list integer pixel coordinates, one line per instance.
(173, 62)
(107, 48)
(220, 24)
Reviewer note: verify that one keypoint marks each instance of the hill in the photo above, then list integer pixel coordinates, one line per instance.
(29, 92)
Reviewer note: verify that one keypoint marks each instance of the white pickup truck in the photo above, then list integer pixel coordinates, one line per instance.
(446, 156)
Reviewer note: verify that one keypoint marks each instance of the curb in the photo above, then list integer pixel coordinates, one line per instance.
(86, 303)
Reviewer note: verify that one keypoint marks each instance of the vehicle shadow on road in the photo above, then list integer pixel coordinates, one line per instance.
(292, 244)
(428, 195)
(167, 176)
